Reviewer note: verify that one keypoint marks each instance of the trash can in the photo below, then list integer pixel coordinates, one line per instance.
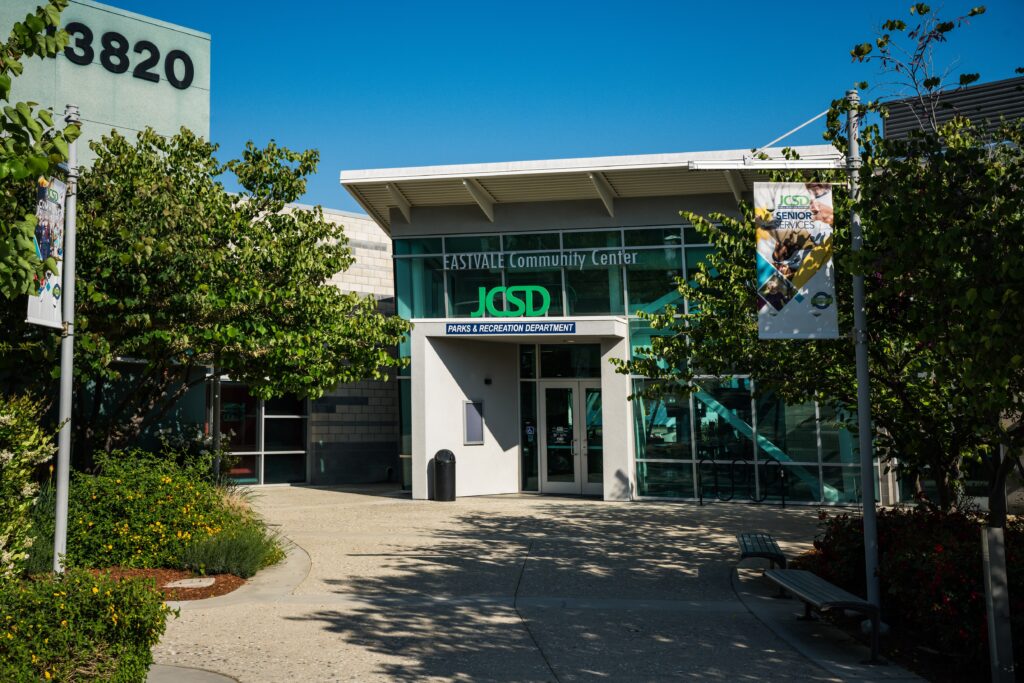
(444, 475)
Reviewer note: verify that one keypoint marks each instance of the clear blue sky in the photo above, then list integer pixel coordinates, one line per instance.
(381, 84)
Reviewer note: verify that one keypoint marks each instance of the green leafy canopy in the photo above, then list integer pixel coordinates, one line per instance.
(31, 145)
(178, 275)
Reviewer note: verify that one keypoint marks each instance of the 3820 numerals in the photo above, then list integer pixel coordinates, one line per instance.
(114, 56)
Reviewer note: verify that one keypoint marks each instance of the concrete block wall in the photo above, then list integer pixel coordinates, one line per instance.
(373, 271)
(354, 429)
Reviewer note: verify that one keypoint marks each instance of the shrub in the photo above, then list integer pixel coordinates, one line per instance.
(142, 510)
(241, 551)
(40, 559)
(23, 445)
(930, 573)
(79, 627)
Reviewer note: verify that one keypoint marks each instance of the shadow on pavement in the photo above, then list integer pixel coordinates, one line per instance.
(569, 590)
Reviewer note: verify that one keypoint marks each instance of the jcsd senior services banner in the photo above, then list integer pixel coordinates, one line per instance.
(44, 305)
(796, 295)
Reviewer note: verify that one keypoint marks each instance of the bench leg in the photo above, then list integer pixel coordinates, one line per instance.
(807, 613)
(875, 628)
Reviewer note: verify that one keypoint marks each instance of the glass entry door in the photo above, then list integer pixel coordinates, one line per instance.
(571, 436)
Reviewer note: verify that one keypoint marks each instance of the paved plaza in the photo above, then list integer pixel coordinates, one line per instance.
(378, 587)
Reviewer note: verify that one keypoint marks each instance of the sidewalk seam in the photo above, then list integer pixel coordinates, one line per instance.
(515, 606)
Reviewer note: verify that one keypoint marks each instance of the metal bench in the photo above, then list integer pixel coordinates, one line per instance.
(761, 545)
(818, 593)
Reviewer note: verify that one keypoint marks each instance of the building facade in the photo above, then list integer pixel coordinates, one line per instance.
(125, 71)
(523, 281)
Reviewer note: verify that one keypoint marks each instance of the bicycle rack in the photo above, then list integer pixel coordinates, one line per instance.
(764, 484)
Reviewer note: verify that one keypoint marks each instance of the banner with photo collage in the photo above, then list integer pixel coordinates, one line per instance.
(796, 294)
(44, 305)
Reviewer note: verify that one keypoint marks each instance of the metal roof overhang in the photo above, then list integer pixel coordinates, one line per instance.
(603, 179)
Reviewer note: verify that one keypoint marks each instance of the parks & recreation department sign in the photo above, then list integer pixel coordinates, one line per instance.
(518, 327)
(796, 296)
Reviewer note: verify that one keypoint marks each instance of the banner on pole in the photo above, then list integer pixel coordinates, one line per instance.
(796, 296)
(44, 304)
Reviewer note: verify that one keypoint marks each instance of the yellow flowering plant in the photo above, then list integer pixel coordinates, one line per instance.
(142, 510)
(79, 627)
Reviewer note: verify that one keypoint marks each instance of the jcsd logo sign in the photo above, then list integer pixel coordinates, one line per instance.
(522, 300)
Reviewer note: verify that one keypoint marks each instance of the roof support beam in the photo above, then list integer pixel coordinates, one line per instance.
(481, 196)
(401, 202)
(736, 184)
(604, 191)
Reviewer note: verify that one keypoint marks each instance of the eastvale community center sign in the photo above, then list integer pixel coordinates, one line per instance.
(485, 260)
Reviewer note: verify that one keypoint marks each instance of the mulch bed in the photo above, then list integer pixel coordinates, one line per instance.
(223, 583)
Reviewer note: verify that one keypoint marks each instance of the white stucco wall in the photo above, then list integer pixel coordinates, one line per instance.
(446, 373)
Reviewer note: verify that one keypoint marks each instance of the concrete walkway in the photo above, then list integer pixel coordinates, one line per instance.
(512, 588)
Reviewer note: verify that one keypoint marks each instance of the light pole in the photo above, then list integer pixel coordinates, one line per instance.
(67, 342)
(860, 332)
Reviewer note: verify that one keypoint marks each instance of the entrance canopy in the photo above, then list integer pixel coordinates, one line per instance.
(470, 368)
(603, 179)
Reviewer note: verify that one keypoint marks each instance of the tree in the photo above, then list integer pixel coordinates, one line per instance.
(953, 258)
(927, 424)
(31, 146)
(177, 275)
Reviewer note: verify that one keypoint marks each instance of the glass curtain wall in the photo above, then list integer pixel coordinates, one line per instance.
(733, 446)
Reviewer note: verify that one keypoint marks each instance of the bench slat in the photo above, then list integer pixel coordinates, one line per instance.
(815, 590)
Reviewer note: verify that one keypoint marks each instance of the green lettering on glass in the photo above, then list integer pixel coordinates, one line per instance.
(521, 300)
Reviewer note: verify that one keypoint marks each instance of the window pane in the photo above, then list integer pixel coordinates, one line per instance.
(284, 468)
(472, 243)
(405, 408)
(842, 484)
(723, 420)
(665, 479)
(284, 434)
(695, 256)
(570, 360)
(420, 287)
(786, 433)
(528, 435)
(239, 413)
(838, 441)
(691, 236)
(594, 290)
(654, 237)
(651, 281)
(244, 470)
(802, 483)
(528, 361)
(405, 351)
(662, 427)
(533, 242)
(548, 278)
(591, 239)
(285, 405)
(420, 245)
(464, 291)
(640, 335)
